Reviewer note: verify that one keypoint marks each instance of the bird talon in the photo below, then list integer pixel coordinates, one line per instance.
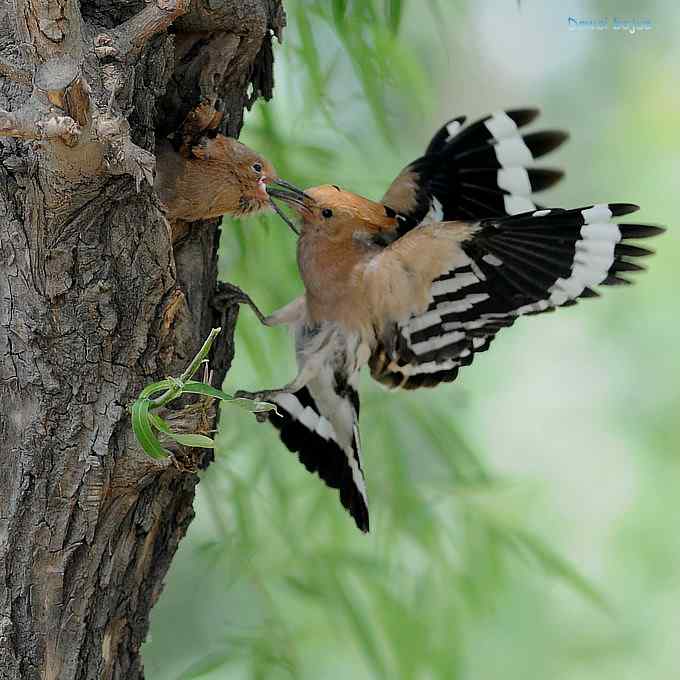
(228, 295)
(264, 395)
(261, 416)
(243, 394)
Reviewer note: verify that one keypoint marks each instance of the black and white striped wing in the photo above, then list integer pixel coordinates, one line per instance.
(475, 172)
(516, 266)
(320, 422)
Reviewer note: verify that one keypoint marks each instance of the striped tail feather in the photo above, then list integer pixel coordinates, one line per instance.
(321, 447)
(519, 265)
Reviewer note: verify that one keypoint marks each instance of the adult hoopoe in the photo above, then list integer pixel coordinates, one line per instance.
(416, 285)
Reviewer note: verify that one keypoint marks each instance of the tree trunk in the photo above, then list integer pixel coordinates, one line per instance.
(96, 302)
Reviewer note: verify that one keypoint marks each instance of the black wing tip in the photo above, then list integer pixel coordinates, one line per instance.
(522, 117)
(641, 230)
(614, 280)
(361, 519)
(355, 503)
(618, 209)
(589, 293)
(545, 141)
(544, 178)
(628, 250)
(626, 266)
(634, 230)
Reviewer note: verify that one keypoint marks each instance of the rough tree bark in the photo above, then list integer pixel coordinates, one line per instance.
(96, 302)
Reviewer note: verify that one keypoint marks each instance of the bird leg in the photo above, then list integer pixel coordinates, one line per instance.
(308, 371)
(267, 395)
(229, 295)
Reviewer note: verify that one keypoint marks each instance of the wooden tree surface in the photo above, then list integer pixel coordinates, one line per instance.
(95, 302)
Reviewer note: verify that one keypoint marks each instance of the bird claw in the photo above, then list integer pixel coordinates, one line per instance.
(261, 416)
(263, 395)
(229, 295)
(244, 394)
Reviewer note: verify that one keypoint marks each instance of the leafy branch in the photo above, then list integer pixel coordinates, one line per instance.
(146, 424)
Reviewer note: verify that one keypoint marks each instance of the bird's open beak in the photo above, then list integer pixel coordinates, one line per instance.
(279, 188)
(290, 194)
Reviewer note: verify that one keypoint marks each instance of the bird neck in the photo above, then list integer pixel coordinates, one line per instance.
(331, 271)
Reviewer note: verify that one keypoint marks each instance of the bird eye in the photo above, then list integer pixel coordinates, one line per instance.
(257, 167)
(327, 212)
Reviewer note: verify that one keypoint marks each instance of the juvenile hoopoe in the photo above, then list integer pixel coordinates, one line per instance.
(418, 284)
(201, 174)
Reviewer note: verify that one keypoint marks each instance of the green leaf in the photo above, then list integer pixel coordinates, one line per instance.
(195, 440)
(363, 631)
(151, 389)
(310, 54)
(199, 358)
(394, 13)
(561, 568)
(141, 426)
(159, 423)
(367, 68)
(196, 387)
(339, 11)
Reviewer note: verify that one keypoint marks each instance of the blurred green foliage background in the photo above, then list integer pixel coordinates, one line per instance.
(525, 518)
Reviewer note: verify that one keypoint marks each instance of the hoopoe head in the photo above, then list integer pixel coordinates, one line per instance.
(246, 174)
(340, 231)
(235, 176)
(331, 214)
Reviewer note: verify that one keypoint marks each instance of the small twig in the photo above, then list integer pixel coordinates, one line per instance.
(23, 124)
(62, 128)
(128, 40)
(200, 357)
(20, 124)
(178, 383)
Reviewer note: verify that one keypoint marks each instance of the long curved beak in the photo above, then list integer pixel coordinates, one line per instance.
(279, 188)
(290, 194)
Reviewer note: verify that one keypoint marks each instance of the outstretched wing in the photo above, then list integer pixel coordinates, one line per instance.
(508, 267)
(475, 172)
(320, 422)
